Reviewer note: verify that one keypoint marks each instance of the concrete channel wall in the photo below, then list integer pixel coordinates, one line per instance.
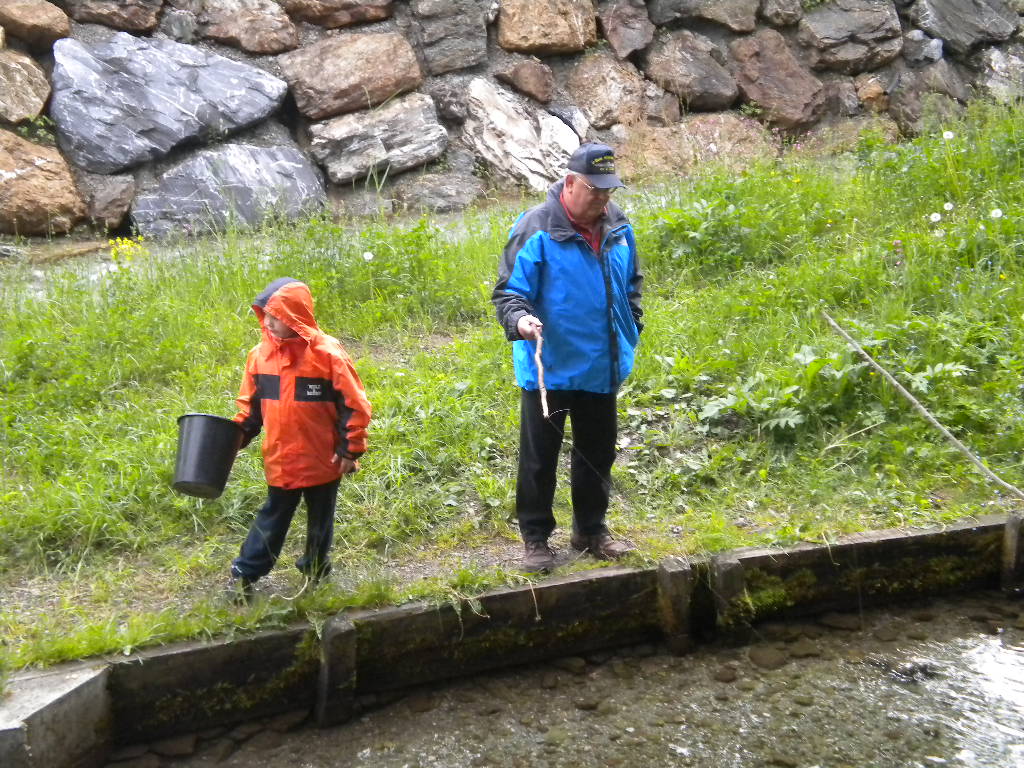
(76, 714)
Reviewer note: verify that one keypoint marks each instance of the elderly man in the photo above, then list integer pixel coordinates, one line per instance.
(570, 277)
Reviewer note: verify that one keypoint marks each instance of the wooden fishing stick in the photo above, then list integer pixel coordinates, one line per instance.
(540, 377)
(924, 411)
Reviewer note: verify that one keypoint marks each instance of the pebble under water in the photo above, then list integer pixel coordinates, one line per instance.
(936, 684)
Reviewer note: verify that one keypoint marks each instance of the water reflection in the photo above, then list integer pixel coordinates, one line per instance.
(936, 685)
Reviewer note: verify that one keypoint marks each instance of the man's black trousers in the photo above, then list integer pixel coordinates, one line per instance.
(594, 425)
(266, 536)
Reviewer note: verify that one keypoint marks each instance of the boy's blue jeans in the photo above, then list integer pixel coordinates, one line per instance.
(262, 546)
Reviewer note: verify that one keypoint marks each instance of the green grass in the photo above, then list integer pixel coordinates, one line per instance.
(747, 421)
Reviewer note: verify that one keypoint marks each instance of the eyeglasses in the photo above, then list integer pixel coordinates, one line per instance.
(592, 188)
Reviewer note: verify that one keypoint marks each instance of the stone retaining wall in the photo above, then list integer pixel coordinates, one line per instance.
(259, 107)
(74, 715)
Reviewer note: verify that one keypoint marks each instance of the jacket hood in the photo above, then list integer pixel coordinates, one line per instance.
(290, 301)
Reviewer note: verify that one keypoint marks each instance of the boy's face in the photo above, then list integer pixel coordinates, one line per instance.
(277, 328)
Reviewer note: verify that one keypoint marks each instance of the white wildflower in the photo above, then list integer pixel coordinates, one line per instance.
(997, 213)
(948, 206)
(367, 256)
(935, 218)
(947, 135)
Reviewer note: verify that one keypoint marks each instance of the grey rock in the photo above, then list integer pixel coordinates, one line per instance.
(935, 91)
(452, 34)
(231, 183)
(24, 88)
(131, 100)
(1000, 72)
(964, 24)
(662, 106)
(737, 15)
(180, 26)
(449, 99)
(841, 97)
(517, 143)
(852, 36)
(782, 13)
(403, 134)
(626, 26)
(918, 48)
(692, 67)
(573, 117)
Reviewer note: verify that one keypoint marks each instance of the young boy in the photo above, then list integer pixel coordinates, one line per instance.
(300, 385)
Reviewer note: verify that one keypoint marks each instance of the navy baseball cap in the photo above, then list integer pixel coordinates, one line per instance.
(596, 163)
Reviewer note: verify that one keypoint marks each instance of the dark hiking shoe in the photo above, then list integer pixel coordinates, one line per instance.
(602, 546)
(537, 557)
(239, 590)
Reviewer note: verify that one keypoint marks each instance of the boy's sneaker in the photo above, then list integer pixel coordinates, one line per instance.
(602, 546)
(537, 557)
(239, 590)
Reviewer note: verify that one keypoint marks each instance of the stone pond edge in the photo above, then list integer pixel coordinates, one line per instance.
(75, 714)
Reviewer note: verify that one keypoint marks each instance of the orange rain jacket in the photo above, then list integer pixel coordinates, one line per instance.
(304, 391)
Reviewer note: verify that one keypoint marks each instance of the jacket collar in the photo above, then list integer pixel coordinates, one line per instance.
(561, 227)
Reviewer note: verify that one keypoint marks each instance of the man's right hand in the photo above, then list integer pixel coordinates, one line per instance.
(529, 327)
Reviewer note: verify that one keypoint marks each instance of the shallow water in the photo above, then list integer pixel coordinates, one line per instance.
(940, 684)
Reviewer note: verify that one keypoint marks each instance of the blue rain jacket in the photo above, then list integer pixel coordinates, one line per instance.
(589, 303)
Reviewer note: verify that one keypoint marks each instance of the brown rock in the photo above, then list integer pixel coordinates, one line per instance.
(767, 657)
(24, 88)
(107, 200)
(871, 92)
(343, 74)
(770, 76)
(37, 191)
(546, 26)
(849, 621)
(37, 22)
(626, 26)
(256, 26)
(722, 137)
(176, 746)
(531, 77)
(726, 674)
(338, 13)
(608, 90)
(128, 15)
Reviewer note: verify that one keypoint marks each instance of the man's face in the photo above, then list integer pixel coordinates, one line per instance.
(277, 328)
(585, 202)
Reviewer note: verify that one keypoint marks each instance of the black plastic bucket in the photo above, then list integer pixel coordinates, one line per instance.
(206, 450)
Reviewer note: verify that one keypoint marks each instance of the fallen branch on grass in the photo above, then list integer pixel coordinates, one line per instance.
(988, 473)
